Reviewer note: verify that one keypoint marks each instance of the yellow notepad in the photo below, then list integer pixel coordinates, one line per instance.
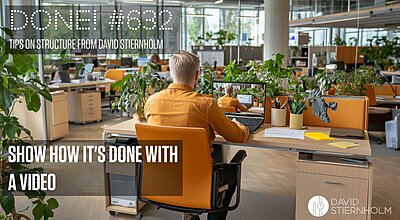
(343, 144)
(319, 136)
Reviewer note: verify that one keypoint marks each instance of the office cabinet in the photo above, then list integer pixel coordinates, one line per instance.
(84, 106)
(57, 116)
(346, 187)
(56, 113)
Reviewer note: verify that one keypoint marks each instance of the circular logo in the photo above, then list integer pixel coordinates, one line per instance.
(318, 206)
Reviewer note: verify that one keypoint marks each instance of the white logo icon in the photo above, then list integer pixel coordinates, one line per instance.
(318, 206)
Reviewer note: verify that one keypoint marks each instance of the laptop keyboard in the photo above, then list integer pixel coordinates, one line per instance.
(250, 122)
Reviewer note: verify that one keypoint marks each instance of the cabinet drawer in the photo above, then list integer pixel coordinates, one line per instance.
(59, 96)
(91, 108)
(90, 97)
(60, 130)
(91, 116)
(332, 188)
(59, 112)
(333, 169)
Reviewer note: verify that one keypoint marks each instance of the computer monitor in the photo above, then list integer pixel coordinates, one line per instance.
(245, 92)
(126, 62)
(88, 68)
(246, 100)
(141, 61)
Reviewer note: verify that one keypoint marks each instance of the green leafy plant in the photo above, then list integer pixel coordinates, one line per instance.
(224, 37)
(353, 83)
(381, 51)
(204, 85)
(136, 88)
(232, 71)
(338, 41)
(297, 102)
(273, 75)
(19, 81)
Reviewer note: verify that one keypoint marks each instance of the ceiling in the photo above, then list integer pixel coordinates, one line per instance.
(382, 17)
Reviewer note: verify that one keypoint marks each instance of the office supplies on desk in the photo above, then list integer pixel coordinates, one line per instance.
(284, 133)
(343, 144)
(347, 133)
(319, 136)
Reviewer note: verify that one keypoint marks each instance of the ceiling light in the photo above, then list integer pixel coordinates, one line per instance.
(218, 2)
(247, 17)
(199, 15)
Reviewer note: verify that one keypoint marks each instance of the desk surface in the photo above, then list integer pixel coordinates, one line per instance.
(391, 73)
(81, 84)
(257, 140)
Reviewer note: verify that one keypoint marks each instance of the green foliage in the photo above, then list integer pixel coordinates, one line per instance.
(224, 37)
(381, 51)
(338, 41)
(273, 75)
(232, 71)
(297, 103)
(352, 83)
(136, 88)
(19, 79)
(204, 85)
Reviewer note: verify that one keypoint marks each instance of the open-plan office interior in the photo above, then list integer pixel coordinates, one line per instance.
(280, 109)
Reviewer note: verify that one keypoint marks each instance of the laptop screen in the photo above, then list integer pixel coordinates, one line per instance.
(245, 99)
(248, 93)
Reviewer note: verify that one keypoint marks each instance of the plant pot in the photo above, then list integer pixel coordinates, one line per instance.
(296, 121)
(278, 117)
(261, 105)
(255, 104)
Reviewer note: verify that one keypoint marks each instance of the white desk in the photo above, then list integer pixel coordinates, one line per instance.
(83, 84)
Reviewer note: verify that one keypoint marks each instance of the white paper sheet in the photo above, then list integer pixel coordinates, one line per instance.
(284, 133)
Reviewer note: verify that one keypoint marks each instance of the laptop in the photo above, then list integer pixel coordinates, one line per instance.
(253, 118)
(64, 76)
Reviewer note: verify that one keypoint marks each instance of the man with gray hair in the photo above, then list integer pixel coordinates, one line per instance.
(179, 105)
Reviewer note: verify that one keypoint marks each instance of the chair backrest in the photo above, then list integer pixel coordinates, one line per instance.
(197, 166)
(228, 109)
(115, 74)
(116, 62)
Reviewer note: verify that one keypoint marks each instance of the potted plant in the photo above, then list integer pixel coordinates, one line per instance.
(136, 88)
(382, 52)
(338, 41)
(354, 83)
(19, 79)
(274, 75)
(297, 103)
(224, 37)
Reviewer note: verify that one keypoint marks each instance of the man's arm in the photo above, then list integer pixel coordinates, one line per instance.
(225, 127)
(240, 106)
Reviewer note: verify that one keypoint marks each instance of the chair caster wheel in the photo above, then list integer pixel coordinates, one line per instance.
(138, 216)
(111, 212)
(379, 142)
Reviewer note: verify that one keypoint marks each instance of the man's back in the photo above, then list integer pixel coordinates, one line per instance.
(179, 106)
(228, 101)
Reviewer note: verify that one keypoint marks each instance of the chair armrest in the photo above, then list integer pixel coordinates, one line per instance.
(239, 157)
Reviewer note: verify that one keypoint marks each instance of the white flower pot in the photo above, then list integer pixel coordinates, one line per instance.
(278, 117)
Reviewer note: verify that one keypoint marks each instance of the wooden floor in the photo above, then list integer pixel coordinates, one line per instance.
(265, 171)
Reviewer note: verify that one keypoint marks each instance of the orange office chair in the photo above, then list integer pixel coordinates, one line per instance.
(114, 74)
(201, 191)
(227, 109)
(117, 75)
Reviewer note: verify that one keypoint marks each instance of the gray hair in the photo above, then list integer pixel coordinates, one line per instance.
(184, 66)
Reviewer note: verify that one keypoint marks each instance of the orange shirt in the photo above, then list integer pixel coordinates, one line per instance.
(179, 105)
(229, 101)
